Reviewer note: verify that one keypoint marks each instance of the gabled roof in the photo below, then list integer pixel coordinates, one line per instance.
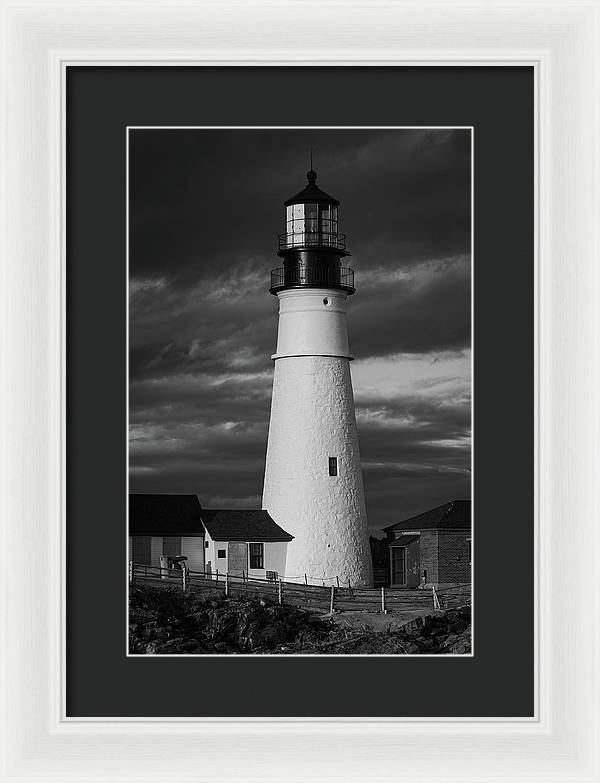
(182, 515)
(453, 515)
(165, 515)
(242, 525)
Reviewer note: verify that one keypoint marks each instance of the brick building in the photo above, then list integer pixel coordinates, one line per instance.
(433, 547)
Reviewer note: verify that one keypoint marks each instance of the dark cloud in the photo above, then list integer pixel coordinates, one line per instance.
(205, 209)
(428, 309)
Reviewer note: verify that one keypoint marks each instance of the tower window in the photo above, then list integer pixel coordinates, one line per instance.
(333, 466)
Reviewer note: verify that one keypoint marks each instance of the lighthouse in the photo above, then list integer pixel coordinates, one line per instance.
(313, 485)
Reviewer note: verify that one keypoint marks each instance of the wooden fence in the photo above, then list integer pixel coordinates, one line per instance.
(327, 599)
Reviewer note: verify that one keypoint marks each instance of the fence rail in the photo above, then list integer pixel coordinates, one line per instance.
(329, 598)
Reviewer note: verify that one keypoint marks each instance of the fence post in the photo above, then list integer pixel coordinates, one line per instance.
(383, 599)
(130, 571)
(227, 583)
(332, 599)
(436, 600)
(184, 579)
(217, 576)
(305, 586)
(279, 592)
(337, 579)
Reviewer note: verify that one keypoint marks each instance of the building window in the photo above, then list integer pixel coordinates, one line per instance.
(257, 555)
(206, 544)
(333, 466)
(221, 553)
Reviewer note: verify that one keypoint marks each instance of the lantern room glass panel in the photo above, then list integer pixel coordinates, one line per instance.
(295, 225)
(329, 225)
(311, 225)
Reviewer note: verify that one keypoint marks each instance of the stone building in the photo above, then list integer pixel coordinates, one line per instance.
(433, 547)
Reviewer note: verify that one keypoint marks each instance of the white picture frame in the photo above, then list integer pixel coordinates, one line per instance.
(560, 40)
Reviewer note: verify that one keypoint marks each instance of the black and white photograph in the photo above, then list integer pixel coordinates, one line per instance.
(300, 478)
(300, 391)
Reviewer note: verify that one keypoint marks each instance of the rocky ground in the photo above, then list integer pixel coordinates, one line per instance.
(168, 621)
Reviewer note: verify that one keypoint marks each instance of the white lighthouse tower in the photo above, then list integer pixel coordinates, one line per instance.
(313, 479)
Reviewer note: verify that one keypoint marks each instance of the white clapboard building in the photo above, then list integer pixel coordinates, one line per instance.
(244, 542)
(234, 541)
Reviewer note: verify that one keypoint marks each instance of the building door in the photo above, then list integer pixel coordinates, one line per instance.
(413, 577)
(171, 546)
(237, 558)
(398, 555)
(141, 550)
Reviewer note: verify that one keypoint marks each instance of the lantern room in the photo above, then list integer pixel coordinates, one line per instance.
(311, 219)
(311, 246)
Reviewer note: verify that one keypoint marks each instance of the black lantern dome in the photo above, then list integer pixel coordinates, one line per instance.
(311, 193)
(311, 246)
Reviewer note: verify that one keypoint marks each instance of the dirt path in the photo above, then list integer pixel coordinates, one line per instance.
(382, 623)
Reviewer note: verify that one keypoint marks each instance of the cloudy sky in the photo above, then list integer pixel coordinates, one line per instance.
(205, 209)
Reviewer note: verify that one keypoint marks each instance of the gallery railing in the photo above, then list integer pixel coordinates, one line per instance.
(298, 275)
(297, 239)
